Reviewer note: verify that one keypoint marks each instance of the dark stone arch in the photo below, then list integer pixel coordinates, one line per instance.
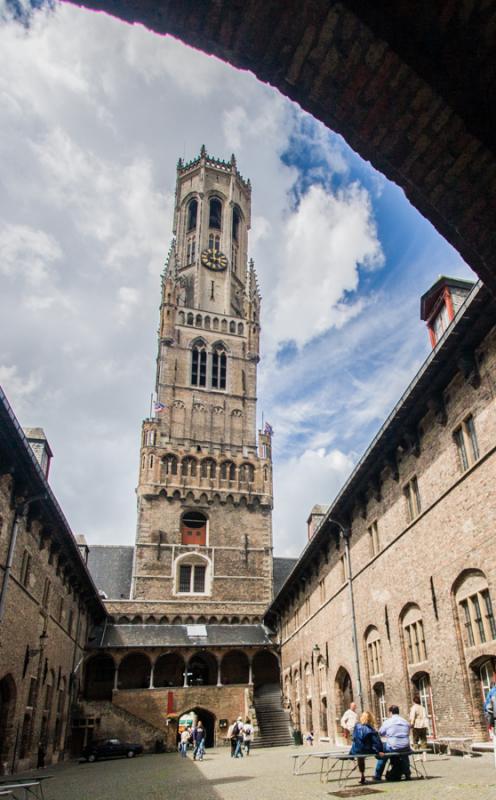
(265, 668)
(202, 669)
(208, 720)
(431, 131)
(8, 699)
(134, 671)
(235, 668)
(169, 670)
(99, 673)
(343, 691)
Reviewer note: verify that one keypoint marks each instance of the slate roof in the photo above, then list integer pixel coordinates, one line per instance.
(111, 568)
(178, 636)
(281, 567)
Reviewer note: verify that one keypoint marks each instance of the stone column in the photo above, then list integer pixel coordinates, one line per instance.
(219, 674)
(116, 677)
(250, 673)
(151, 677)
(185, 682)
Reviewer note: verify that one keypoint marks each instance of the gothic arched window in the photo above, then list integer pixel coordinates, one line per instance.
(215, 213)
(199, 365)
(192, 215)
(188, 466)
(228, 471)
(236, 219)
(208, 466)
(170, 465)
(219, 367)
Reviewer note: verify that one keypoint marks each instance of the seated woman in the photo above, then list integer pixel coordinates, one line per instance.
(366, 741)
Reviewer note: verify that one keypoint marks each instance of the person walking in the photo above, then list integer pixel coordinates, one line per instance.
(183, 743)
(247, 735)
(199, 741)
(419, 722)
(396, 730)
(238, 733)
(348, 721)
(366, 741)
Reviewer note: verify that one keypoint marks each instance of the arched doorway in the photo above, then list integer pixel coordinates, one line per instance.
(208, 720)
(235, 668)
(202, 670)
(169, 670)
(422, 685)
(265, 668)
(8, 696)
(343, 688)
(134, 672)
(99, 678)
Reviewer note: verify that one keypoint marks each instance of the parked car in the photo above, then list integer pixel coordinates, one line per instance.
(110, 748)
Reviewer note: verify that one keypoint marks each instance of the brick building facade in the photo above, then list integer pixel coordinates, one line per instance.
(418, 510)
(49, 605)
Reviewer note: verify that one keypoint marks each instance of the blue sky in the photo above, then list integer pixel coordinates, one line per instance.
(95, 114)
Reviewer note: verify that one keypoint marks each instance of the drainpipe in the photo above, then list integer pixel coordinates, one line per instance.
(345, 533)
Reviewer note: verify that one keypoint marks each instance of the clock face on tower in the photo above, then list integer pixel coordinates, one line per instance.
(214, 259)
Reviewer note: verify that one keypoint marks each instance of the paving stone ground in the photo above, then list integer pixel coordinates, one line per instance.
(265, 775)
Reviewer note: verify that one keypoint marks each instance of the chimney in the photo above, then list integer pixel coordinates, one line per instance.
(317, 514)
(40, 447)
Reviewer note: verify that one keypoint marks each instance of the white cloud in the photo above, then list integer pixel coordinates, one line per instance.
(328, 239)
(303, 480)
(27, 252)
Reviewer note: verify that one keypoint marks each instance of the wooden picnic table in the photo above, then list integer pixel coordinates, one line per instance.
(343, 764)
(11, 787)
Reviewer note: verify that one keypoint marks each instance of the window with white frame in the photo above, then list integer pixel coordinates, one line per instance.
(412, 496)
(192, 576)
(466, 443)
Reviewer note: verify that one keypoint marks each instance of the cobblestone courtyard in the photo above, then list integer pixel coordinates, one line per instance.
(265, 774)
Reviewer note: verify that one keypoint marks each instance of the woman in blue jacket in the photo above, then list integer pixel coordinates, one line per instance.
(366, 741)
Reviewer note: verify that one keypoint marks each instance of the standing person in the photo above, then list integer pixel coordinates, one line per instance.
(232, 739)
(309, 738)
(183, 744)
(419, 722)
(366, 741)
(348, 721)
(238, 732)
(396, 730)
(247, 735)
(199, 741)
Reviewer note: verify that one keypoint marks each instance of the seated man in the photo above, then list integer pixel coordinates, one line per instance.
(396, 730)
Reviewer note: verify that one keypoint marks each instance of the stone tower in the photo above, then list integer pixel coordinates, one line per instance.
(204, 540)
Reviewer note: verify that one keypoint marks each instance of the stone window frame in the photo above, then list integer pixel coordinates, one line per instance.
(25, 572)
(412, 625)
(193, 560)
(411, 492)
(475, 609)
(374, 539)
(466, 442)
(374, 651)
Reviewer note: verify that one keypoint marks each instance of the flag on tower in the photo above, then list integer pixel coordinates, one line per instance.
(159, 407)
(268, 429)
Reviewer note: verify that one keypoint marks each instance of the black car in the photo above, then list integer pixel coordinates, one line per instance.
(110, 748)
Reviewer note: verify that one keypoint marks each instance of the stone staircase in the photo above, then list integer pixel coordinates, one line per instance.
(273, 721)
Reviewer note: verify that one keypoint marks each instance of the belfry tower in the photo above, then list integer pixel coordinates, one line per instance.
(204, 541)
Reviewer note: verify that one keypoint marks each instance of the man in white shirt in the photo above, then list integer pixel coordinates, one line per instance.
(348, 721)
